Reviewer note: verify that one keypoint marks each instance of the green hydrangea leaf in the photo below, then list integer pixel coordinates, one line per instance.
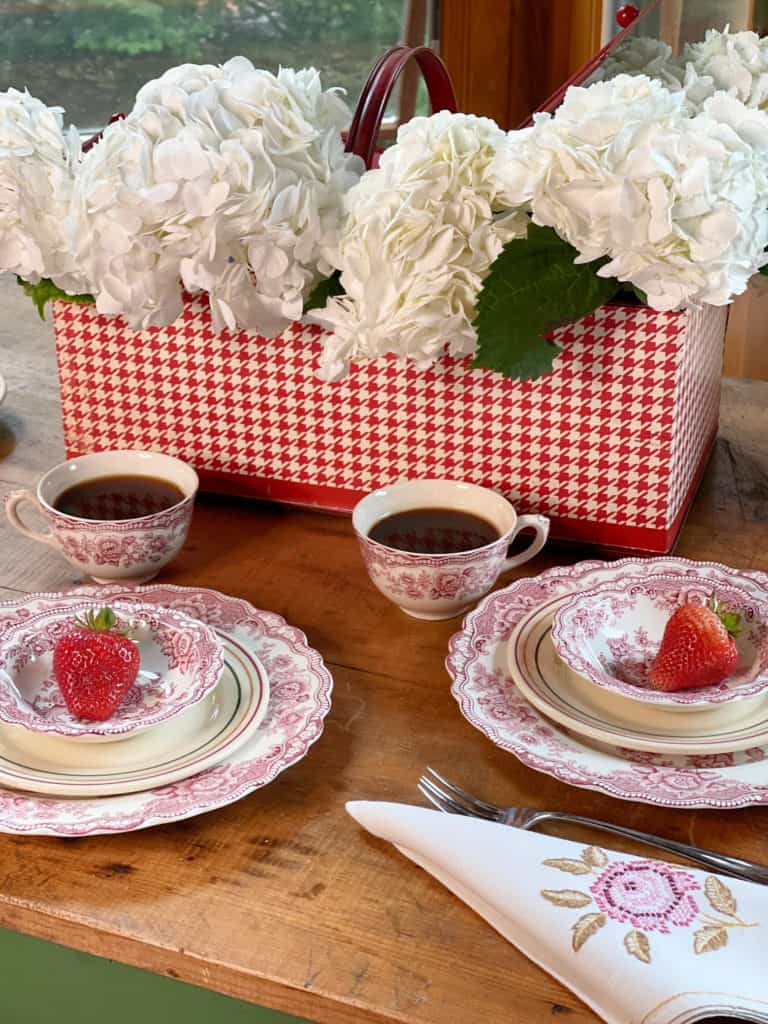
(46, 291)
(764, 269)
(533, 287)
(324, 290)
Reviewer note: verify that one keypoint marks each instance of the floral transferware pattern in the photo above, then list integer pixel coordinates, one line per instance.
(300, 698)
(611, 635)
(575, 704)
(488, 699)
(461, 577)
(631, 659)
(649, 895)
(149, 541)
(181, 659)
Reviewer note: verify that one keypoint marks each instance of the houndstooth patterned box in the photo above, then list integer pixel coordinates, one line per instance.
(611, 445)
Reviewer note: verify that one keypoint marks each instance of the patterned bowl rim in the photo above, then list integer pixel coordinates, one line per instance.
(755, 679)
(15, 711)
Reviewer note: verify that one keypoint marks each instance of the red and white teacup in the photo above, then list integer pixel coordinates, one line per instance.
(439, 586)
(130, 550)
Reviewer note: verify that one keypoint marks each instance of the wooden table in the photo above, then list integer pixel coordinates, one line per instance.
(280, 899)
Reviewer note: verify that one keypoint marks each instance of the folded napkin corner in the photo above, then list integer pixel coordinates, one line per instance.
(637, 939)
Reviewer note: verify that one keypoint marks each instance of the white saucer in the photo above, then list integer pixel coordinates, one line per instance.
(180, 747)
(562, 695)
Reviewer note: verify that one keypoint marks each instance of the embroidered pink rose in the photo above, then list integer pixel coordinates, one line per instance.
(646, 894)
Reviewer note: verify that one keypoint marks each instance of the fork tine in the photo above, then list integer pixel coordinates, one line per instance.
(449, 798)
(443, 803)
(435, 801)
(450, 803)
(473, 801)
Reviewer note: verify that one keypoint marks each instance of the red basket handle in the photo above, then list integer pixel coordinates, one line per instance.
(366, 123)
(354, 127)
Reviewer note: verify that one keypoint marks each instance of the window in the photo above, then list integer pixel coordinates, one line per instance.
(681, 21)
(90, 56)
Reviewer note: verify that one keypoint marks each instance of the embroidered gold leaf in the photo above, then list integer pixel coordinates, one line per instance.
(636, 944)
(710, 938)
(594, 856)
(584, 927)
(573, 867)
(720, 896)
(566, 897)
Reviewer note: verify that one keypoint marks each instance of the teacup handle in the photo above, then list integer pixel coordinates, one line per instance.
(540, 525)
(14, 499)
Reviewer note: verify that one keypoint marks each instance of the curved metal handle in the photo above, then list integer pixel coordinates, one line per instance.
(540, 525)
(719, 862)
(12, 502)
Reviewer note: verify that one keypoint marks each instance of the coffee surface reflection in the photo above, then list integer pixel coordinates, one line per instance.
(119, 497)
(434, 531)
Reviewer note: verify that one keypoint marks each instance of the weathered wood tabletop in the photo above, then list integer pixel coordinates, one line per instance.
(281, 899)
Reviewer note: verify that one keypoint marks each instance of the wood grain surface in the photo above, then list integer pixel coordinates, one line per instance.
(281, 899)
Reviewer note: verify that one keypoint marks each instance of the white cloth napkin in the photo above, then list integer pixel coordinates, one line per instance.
(639, 940)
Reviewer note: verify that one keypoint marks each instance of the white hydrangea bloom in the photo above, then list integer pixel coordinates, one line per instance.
(677, 204)
(227, 179)
(37, 163)
(421, 233)
(735, 62)
(641, 55)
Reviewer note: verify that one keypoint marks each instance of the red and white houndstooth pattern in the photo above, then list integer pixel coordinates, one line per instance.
(610, 444)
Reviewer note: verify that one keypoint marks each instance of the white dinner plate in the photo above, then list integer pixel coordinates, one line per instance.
(184, 745)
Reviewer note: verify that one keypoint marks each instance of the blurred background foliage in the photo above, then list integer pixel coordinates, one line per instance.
(90, 56)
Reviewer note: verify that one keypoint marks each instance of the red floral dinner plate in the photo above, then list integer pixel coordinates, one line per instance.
(300, 698)
(488, 698)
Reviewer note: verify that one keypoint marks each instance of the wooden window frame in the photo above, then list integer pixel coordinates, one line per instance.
(507, 56)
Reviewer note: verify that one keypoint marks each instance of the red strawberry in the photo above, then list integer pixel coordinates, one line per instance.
(697, 648)
(95, 666)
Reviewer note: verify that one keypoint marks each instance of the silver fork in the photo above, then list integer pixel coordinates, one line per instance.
(450, 798)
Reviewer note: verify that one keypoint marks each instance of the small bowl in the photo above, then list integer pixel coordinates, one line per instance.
(610, 635)
(181, 663)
